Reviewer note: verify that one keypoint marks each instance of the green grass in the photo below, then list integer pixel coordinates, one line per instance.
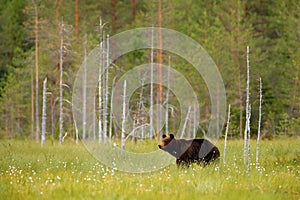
(29, 171)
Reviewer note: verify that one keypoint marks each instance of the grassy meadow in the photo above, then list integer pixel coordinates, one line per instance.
(29, 171)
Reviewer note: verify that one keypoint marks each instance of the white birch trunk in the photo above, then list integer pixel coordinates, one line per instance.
(44, 115)
(61, 83)
(151, 88)
(226, 133)
(248, 140)
(123, 119)
(247, 108)
(185, 122)
(106, 92)
(100, 84)
(259, 123)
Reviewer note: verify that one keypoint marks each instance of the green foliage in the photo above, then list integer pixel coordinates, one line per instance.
(15, 108)
(13, 33)
(223, 28)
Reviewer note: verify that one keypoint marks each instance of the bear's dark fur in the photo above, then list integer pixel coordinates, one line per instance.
(189, 151)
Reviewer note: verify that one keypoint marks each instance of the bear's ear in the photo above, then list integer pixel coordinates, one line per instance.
(171, 136)
(163, 136)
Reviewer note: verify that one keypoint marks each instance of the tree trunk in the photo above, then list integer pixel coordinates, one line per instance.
(76, 19)
(105, 113)
(259, 123)
(60, 83)
(240, 97)
(56, 4)
(53, 101)
(167, 98)
(248, 141)
(247, 126)
(123, 118)
(32, 103)
(195, 122)
(133, 8)
(140, 116)
(84, 92)
(185, 122)
(114, 16)
(159, 60)
(151, 87)
(44, 114)
(226, 133)
(111, 109)
(36, 72)
(101, 64)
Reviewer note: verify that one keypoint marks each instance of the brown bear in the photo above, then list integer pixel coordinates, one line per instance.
(190, 151)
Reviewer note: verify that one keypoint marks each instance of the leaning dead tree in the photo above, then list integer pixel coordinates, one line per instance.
(195, 123)
(187, 118)
(259, 123)
(226, 133)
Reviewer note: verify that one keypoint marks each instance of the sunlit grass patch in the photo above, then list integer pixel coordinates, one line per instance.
(29, 171)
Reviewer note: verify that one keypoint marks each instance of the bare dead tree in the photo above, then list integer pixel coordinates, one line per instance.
(61, 45)
(247, 109)
(248, 141)
(123, 118)
(44, 114)
(101, 65)
(226, 133)
(105, 108)
(185, 122)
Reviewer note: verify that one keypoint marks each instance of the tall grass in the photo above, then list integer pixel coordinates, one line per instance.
(29, 171)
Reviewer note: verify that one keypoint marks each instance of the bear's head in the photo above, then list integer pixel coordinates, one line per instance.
(165, 141)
